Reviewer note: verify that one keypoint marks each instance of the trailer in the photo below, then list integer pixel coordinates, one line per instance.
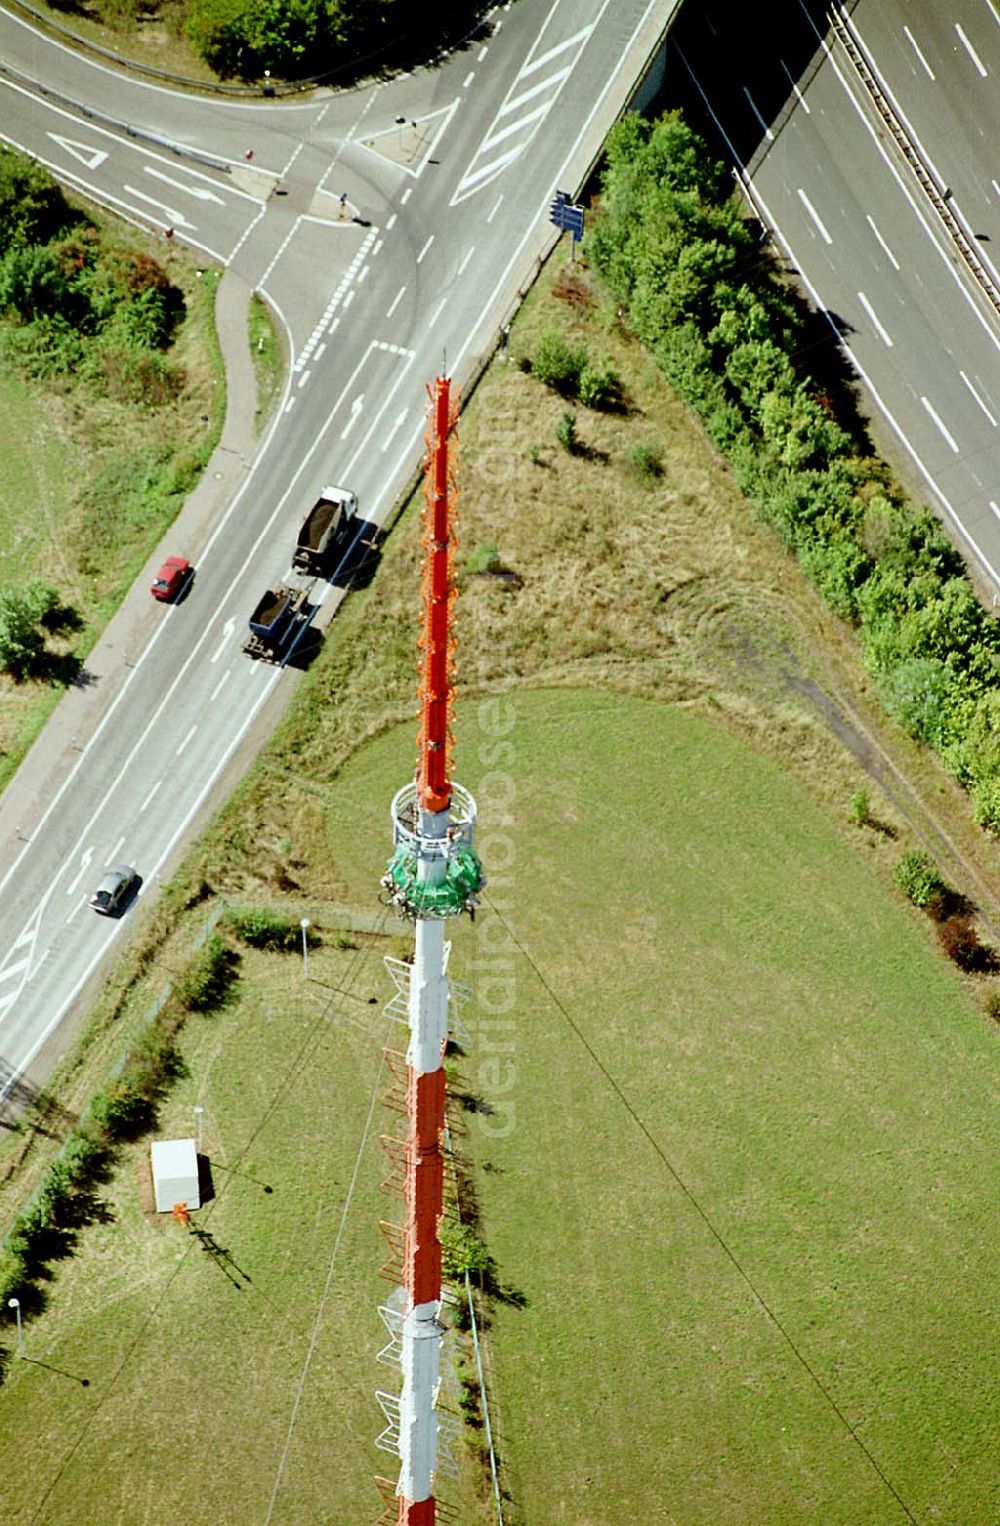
(274, 622)
(324, 525)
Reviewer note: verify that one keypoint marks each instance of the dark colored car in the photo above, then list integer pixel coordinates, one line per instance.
(114, 890)
(171, 578)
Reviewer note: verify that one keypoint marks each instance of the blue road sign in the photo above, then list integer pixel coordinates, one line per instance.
(564, 214)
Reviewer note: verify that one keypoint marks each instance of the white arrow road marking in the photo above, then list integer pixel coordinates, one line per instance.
(91, 157)
(227, 631)
(189, 190)
(85, 859)
(356, 407)
(397, 423)
(176, 219)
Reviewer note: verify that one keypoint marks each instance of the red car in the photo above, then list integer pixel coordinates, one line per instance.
(171, 578)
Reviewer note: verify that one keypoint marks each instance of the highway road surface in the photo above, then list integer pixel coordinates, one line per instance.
(857, 225)
(388, 249)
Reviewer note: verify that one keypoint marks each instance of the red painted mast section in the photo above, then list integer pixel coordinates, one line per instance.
(434, 784)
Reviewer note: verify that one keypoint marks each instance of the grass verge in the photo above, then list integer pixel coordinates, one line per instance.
(91, 484)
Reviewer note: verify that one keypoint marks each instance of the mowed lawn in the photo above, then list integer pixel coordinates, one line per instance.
(755, 1227)
(738, 1170)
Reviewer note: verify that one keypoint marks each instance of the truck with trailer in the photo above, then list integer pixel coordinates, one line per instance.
(275, 621)
(325, 524)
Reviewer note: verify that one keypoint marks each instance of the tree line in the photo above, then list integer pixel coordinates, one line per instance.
(706, 297)
(294, 39)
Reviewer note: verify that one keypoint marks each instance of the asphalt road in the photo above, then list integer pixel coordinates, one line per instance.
(856, 225)
(443, 219)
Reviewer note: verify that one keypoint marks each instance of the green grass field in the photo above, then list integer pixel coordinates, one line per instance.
(737, 1164)
(752, 1146)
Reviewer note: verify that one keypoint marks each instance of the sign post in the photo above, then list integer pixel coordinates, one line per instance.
(565, 215)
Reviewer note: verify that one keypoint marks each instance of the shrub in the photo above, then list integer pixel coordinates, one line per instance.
(566, 433)
(123, 1111)
(645, 461)
(206, 982)
(960, 941)
(463, 1251)
(485, 558)
(918, 877)
(557, 365)
(860, 808)
(259, 927)
(22, 611)
(600, 387)
(992, 1011)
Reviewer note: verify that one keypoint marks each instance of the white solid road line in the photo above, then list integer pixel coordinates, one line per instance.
(945, 431)
(560, 47)
(975, 392)
(971, 52)
(814, 215)
(879, 327)
(888, 252)
(529, 95)
(10, 970)
(913, 44)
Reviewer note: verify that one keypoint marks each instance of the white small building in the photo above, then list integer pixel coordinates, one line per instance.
(175, 1174)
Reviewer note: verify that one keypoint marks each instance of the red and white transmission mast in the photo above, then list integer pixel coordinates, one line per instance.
(433, 875)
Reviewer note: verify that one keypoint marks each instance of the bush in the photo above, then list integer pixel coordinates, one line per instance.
(918, 877)
(992, 1011)
(599, 387)
(566, 433)
(556, 365)
(861, 813)
(22, 611)
(960, 941)
(645, 461)
(123, 1111)
(463, 1251)
(259, 927)
(485, 558)
(207, 981)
